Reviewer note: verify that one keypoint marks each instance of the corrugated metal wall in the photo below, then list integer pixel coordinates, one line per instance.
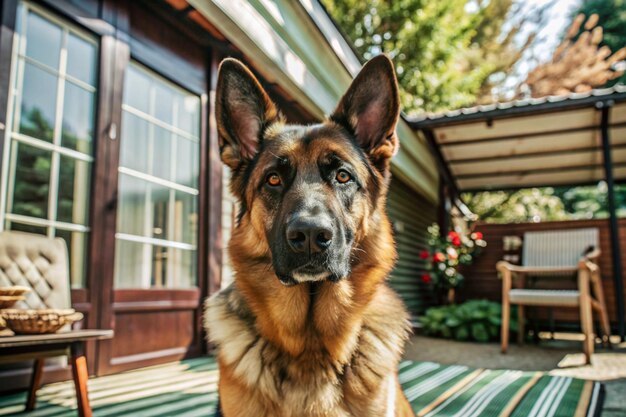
(411, 215)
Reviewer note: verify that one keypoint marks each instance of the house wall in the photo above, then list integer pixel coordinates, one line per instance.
(411, 214)
(151, 34)
(481, 279)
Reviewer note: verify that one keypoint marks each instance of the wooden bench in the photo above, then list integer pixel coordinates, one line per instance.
(39, 347)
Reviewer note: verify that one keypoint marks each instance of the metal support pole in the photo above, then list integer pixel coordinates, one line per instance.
(444, 209)
(614, 227)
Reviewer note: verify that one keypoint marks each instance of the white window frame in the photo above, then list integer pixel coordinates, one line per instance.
(13, 138)
(168, 242)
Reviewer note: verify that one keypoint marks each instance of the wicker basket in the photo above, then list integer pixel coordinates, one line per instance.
(7, 301)
(14, 290)
(39, 321)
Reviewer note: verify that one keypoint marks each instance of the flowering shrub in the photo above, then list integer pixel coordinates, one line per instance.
(446, 253)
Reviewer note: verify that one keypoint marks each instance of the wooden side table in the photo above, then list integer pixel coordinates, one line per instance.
(39, 347)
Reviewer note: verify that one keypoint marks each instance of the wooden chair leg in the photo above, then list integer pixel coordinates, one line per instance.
(506, 317)
(600, 306)
(604, 323)
(521, 328)
(587, 327)
(35, 381)
(80, 376)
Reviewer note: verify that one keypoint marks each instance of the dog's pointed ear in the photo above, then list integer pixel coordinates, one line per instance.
(370, 110)
(242, 109)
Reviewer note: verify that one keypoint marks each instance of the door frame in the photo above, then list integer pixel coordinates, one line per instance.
(117, 302)
(98, 300)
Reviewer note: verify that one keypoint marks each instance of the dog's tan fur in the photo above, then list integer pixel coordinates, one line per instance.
(318, 348)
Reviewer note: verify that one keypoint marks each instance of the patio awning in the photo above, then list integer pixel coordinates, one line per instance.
(527, 143)
(575, 139)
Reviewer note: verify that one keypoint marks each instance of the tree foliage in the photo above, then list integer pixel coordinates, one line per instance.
(445, 51)
(612, 19)
(525, 205)
(580, 63)
(545, 204)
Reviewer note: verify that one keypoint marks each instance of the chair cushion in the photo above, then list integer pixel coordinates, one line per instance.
(544, 297)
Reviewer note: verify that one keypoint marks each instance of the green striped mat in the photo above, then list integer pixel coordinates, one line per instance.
(457, 391)
(188, 388)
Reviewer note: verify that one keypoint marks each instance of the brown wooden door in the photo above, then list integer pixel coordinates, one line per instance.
(154, 224)
(125, 84)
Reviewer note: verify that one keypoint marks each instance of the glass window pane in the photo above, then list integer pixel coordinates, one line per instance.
(173, 268)
(39, 95)
(189, 115)
(137, 89)
(74, 181)
(81, 59)
(26, 228)
(43, 40)
(77, 249)
(159, 266)
(32, 181)
(129, 264)
(163, 103)
(171, 215)
(35, 115)
(78, 118)
(182, 268)
(134, 143)
(187, 162)
(131, 208)
(160, 211)
(162, 153)
(185, 226)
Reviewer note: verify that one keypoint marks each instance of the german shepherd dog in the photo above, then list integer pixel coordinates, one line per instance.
(309, 328)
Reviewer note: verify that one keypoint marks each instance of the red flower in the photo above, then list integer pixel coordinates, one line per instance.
(439, 257)
(456, 241)
(477, 235)
(453, 235)
(424, 254)
(426, 278)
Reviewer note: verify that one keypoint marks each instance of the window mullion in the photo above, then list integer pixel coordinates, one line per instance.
(11, 178)
(53, 192)
(41, 144)
(147, 249)
(171, 228)
(13, 108)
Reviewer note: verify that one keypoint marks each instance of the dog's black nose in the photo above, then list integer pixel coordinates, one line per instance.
(309, 234)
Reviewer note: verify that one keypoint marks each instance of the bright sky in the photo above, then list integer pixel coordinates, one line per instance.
(557, 19)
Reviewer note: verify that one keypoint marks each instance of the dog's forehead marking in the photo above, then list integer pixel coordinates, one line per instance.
(303, 145)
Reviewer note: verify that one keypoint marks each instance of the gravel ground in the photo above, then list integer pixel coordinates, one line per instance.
(559, 357)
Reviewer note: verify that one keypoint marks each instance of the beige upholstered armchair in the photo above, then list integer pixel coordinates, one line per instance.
(556, 253)
(37, 262)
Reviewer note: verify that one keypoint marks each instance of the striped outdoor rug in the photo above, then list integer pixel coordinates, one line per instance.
(457, 391)
(188, 389)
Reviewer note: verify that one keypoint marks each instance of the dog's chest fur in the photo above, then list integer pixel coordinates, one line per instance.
(313, 383)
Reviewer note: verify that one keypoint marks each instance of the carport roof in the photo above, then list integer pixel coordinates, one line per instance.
(549, 141)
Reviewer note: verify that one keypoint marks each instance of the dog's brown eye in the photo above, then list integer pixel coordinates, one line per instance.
(273, 180)
(343, 177)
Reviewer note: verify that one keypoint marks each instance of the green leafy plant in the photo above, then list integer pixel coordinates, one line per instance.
(477, 320)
